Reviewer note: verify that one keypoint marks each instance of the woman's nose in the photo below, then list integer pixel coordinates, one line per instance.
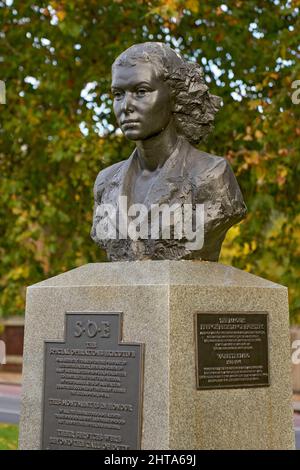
(127, 105)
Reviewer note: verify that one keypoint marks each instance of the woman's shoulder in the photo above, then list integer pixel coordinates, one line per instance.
(213, 176)
(105, 176)
(206, 165)
(108, 172)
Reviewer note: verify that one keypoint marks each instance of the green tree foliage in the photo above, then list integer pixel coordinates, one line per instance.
(57, 128)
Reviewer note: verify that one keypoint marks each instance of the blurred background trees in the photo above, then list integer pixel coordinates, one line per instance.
(57, 129)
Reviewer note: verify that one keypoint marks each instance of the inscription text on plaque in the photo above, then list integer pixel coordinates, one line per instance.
(92, 386)
(232, 350)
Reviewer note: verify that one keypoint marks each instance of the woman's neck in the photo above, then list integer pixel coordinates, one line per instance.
(153, 152)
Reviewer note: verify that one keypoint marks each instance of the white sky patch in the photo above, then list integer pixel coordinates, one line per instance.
(103, 128)
(102, 109)
(253, 28)
(258, 34)
(240, 90)
(54, 18)
(282, 63)
(83, 128)
(86, 91)
(236, 96)
(215, 70)
(34, 82)
(45, 42)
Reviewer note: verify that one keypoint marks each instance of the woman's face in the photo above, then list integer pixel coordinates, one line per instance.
(142, 101)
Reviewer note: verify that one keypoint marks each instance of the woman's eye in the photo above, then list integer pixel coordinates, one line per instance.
(117, 95)
(141, 92)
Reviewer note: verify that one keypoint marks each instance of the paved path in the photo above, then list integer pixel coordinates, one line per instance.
(10, 403)
(298, 439)
(297, 429)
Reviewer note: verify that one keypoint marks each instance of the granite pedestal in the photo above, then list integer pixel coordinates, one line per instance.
(159, 300)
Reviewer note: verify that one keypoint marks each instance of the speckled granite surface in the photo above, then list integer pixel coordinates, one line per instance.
(159, 300)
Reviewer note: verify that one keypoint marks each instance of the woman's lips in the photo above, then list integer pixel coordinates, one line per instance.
(129, 123)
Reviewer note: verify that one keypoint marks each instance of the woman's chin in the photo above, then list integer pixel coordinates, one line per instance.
(132, 134)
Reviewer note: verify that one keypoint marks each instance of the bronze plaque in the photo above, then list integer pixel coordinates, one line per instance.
(92, 386)
(232, 350)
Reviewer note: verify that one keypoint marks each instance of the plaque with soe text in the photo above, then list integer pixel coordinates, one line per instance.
(231, 350)
(92, 386)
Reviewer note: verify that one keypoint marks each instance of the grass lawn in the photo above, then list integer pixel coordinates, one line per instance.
(8, 436)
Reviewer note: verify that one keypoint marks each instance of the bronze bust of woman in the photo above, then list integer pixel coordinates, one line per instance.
(162, 103)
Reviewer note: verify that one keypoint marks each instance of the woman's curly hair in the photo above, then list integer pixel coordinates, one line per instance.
(194, 108)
